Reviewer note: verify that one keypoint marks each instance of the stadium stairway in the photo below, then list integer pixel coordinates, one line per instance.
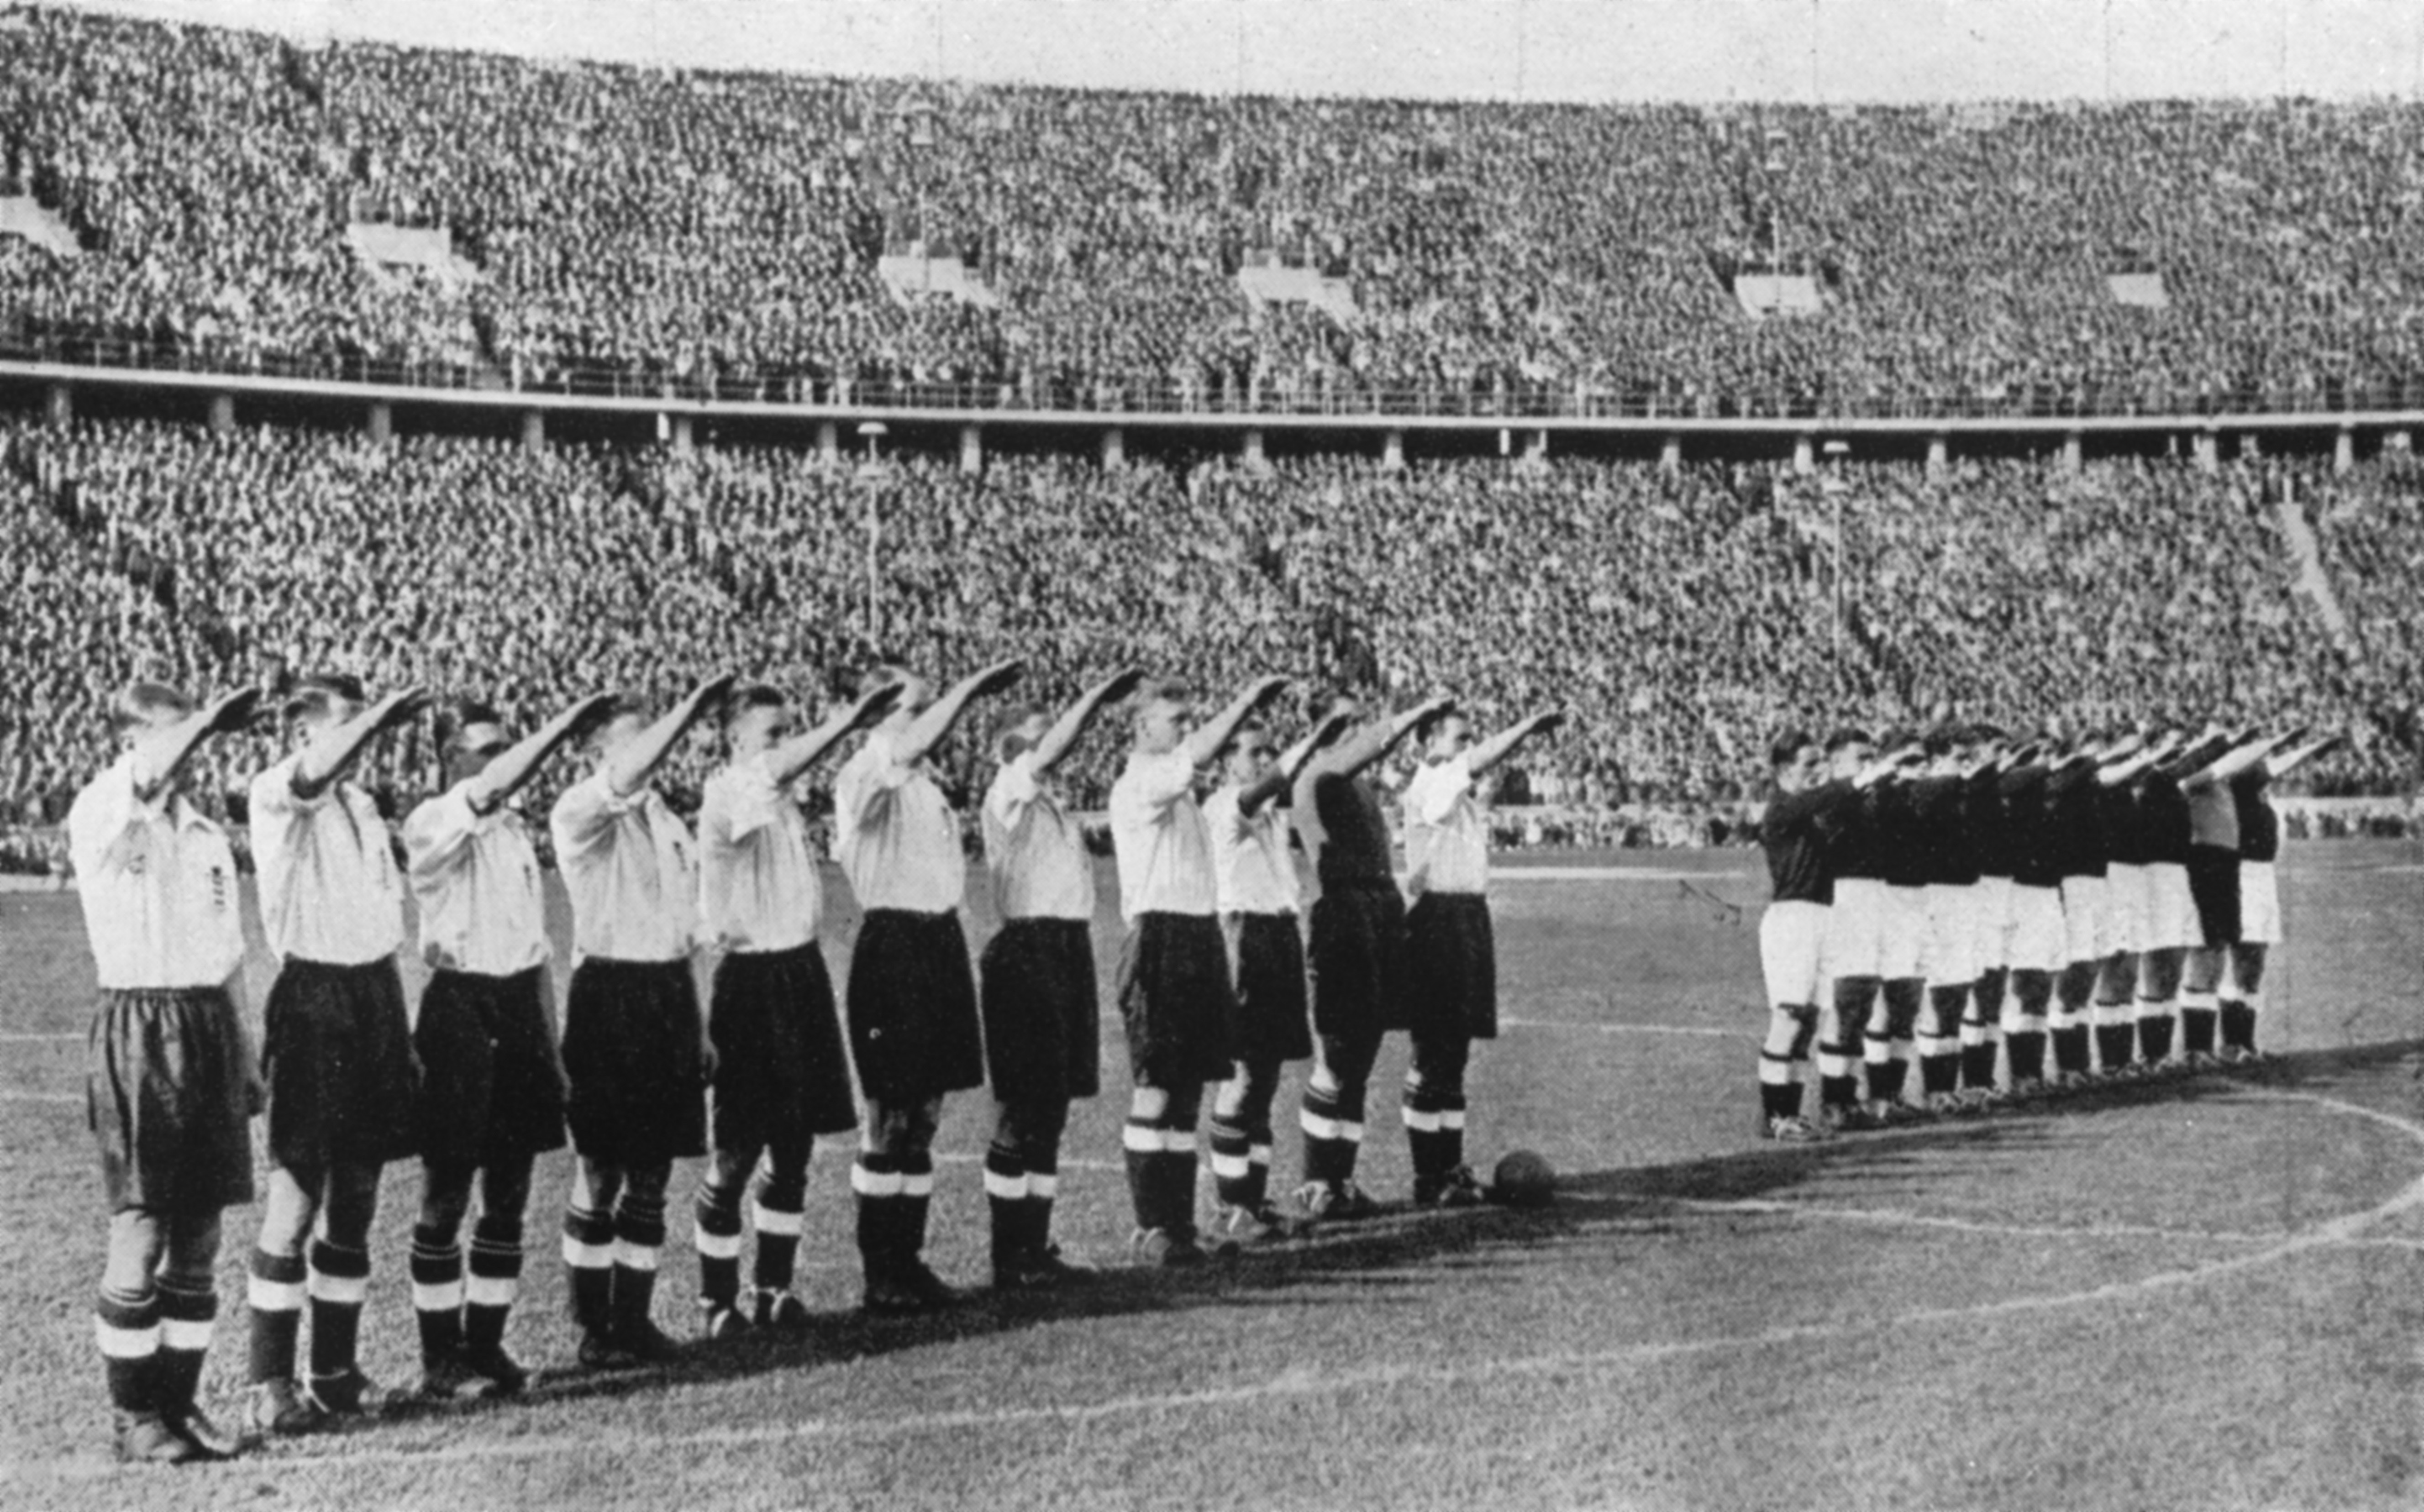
(2311, 578)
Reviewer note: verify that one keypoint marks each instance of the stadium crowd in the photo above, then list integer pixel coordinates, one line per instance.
(653, 230)
(1692, 609)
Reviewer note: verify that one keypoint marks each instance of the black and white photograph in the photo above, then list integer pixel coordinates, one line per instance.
(1638, 755)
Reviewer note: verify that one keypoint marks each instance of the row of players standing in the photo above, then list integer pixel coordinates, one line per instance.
(1964, 899)
(1212, 990)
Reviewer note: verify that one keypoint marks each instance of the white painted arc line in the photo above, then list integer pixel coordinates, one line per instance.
(1903, 1219)
(1291, 1384)
(1699, 1030)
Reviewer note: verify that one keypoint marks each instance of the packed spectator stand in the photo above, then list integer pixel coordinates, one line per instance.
(642, 230)
(674, 233)
(1689, 613)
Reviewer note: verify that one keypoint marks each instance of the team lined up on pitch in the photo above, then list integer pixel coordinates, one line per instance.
(1965, 900)
(474, 1080)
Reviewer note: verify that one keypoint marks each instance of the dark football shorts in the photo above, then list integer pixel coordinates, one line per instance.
(1359, 960)
(637, 1082)
(1042, 1027)
(913, 1007)
(781, 1073)
(1267, 1016)
(2214, 884)
(337, 1053)
(1174, 999)
(490, 1088)
(1451, 967)
(168, 1099)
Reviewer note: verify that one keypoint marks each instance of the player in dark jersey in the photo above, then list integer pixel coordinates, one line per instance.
(1903, 844)
(1990, 839)
(2259, 896)
(2034, 938)
(1949, 858)
(1794, 832)
(2075, 820)
(2129, 908)
(1358, 948)
(2213, 879)
(1856, 925)
(2171, 928)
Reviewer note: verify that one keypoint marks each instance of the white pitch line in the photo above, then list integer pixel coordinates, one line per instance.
(1696, 1029)
(1905, 1217)
(41, 1039)
(41, 1097)
(1298, 1383)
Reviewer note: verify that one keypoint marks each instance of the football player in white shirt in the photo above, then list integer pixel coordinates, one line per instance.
(492, 1085)
(1175, 994)
(1255, 886)
(1036, 983)
(169, 1076)
(337, 1045)
(781, 1076)
(911, 999)
(1452, 962)
(636, 1057)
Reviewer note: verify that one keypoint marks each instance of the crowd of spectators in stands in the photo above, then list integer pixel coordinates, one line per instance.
(1684, 614)
(658, 230)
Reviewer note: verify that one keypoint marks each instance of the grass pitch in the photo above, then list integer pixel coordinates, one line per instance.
(2207, 1295)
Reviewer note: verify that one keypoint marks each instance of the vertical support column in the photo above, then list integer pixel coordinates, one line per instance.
(1670, 452)
(1940, 453)
(1805, 453)
(682, 436)
(380, 421)
(1393, 450)
(2073, 451)
(58, 405)
(1115, 448)
(1251, 449)
(222, 413)
(2344, 449)
(2209, 450)
(1536, 447)
(533, 430)
(971, 449)
(828, 441)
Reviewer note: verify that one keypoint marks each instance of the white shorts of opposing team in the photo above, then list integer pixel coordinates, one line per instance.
(1993, 897)
(1956, 923)
(1856, 928)
(2171, 909)
(2259, 903)
(2128, 913)
(2034, 938)
(2085, 932)
(1792, 953)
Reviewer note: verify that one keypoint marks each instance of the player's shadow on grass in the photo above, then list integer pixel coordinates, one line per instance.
(1410, 1252)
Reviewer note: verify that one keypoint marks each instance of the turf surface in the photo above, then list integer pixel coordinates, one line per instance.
(2207, 1295)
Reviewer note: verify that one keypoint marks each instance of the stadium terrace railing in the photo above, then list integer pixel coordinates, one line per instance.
(24, 340)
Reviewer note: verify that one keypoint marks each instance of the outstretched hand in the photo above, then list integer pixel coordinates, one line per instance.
(873, 707)
(1117, 685)
(997, 677)
(232, 712)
